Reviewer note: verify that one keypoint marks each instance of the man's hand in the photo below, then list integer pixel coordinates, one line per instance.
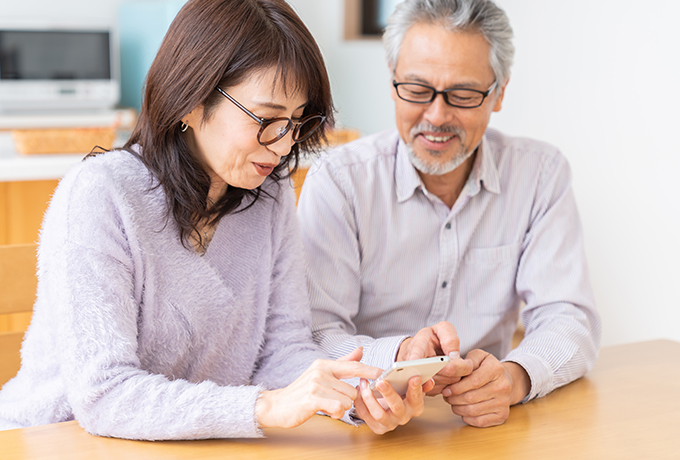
(440, 339)
(484, 397)
(437, 340)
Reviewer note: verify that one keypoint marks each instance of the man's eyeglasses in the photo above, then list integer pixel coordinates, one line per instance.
(273, 129)
(457, 97)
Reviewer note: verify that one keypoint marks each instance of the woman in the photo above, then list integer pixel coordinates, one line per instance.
(171, 300)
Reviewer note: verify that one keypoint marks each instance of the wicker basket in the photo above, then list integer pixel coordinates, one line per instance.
(62, 140)
(341, 136)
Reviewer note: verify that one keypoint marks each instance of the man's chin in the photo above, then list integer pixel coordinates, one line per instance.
(433, 163)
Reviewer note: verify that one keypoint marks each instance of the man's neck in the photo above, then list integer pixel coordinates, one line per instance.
(448, 186)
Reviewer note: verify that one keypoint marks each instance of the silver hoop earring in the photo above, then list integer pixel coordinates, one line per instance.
(183, 126)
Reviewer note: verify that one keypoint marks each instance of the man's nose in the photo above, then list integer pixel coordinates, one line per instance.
(438, 112)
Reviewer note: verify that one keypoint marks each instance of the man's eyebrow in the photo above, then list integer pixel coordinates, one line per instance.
(417, 79)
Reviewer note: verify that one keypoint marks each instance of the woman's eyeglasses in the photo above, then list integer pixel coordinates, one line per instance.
(274, 129)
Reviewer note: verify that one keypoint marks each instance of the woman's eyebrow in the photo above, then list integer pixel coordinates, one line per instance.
(275, 106)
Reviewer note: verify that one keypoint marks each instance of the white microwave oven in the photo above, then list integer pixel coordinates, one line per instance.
(58, 68)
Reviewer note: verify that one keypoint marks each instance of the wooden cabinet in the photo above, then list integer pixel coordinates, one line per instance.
(22, 206)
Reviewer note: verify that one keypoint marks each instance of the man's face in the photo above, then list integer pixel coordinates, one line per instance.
(442, 136)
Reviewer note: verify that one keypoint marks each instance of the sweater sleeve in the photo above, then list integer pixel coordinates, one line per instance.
(91, 276)
(288, 349)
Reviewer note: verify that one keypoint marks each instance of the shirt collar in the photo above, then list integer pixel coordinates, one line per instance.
(484, 173)
(405, 175)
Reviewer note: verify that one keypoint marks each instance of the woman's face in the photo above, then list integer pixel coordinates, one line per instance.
(227, 141)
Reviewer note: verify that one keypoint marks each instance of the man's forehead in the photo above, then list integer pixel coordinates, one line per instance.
(430, 52)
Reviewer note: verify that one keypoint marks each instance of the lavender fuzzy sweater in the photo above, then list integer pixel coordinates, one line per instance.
(137, 337)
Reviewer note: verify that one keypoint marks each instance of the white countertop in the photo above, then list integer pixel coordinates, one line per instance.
(17, 167)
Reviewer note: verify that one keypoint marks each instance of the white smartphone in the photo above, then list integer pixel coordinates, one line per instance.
(399, 373)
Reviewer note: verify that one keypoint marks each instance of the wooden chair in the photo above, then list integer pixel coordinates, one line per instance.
(18, 284)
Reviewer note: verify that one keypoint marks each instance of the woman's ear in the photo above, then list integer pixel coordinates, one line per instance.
(194, 118)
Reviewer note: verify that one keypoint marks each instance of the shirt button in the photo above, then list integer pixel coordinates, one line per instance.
(444, 284)
(448, 226)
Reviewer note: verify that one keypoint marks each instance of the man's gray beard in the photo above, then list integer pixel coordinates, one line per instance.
(438, 169)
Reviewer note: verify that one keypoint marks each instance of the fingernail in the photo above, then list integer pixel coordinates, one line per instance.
(363, 384)
(454, 355)
(446, 392)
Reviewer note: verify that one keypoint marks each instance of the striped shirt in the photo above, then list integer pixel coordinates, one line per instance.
(387, 258)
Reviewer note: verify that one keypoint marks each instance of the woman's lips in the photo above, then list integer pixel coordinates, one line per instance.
(264, 169)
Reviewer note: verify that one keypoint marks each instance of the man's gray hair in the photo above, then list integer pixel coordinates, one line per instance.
(481, 16)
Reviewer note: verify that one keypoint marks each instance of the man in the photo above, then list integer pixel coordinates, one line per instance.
(446, 223)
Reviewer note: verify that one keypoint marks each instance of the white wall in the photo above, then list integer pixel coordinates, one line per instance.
(50, 10)
(596, 78)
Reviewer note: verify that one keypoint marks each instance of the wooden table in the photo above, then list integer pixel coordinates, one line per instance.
(628, 407)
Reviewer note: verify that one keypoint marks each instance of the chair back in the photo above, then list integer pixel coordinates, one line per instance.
(18, 284)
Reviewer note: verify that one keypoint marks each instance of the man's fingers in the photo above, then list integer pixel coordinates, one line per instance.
(478, 396)
(448, 337)
(454, 370)
(485, 421)
(487, 370)
(477, 357)
(420, 346)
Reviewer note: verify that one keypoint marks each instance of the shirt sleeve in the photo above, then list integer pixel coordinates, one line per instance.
(562, 326)
(331, 241)
(288, 350)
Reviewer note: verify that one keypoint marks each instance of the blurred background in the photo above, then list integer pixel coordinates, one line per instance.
(595, 78)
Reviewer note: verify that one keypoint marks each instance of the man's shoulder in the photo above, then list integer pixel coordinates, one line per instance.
(517, 148)
(363, 151)
(523, 160)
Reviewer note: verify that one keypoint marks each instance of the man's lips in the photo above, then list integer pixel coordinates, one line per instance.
(435, 140)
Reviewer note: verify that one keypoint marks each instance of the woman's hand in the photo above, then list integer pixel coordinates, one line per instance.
(317, 389)
(391, 411)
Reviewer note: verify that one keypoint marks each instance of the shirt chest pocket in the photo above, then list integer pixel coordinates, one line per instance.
(489, 277)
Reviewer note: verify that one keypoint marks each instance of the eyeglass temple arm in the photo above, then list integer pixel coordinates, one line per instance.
(250, 114)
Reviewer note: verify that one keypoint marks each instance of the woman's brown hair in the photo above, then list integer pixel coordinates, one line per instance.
(214, 43)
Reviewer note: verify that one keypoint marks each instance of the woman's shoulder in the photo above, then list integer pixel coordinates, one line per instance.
(108, 169)
(108, 174)
(101, 191)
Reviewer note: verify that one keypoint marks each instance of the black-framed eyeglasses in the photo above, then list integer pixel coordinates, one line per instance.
(462, 98)
(274, 129)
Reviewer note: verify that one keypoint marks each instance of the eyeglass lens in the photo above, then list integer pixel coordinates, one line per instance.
(278, 128)
(423, 94)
